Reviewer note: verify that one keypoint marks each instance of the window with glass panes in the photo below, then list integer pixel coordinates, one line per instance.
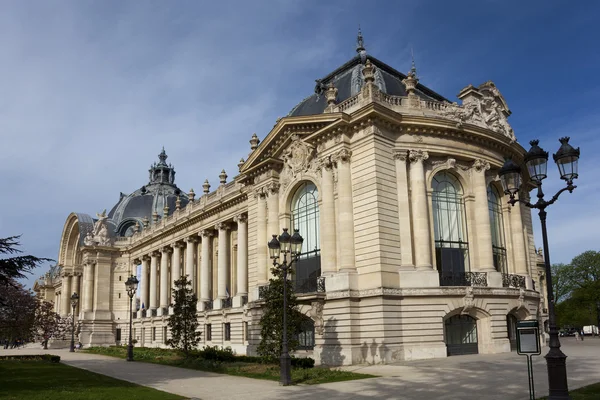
(497, 226)
(305, 218)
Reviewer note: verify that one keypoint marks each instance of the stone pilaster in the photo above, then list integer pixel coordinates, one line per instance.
(176, 262)
(273, 213)
(66, 294)
(483, 229)
(88, 286)
(518, 240)
(242, 259)
(406, 237)
(422, 234)
(346, 211)
(327, 220)
(261, 238)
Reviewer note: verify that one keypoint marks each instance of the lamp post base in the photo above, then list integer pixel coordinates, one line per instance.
(285, 367)
(130, 352)
(556, 362)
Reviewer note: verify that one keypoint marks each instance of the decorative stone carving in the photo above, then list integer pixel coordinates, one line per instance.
(343, 155)
(272, 187)
(417, 155)
(468, 300)
(483, 106)
(99, 236)
(401, 155)
(222, 226)
(480, 165)
(241, 218)
(316, 313)
(521, 299)
(298, 158)
(207, 233)
(449, 163)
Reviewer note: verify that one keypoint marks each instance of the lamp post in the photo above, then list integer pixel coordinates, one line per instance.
(74, 300)
(131, 285)
(292, 245)
(536, 160)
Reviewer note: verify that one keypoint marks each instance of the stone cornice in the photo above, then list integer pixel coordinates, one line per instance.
(427, 292)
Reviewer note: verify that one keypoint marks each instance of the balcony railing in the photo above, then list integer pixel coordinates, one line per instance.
(226, 303)
(208, 305)
(513, 281)
(463, 279)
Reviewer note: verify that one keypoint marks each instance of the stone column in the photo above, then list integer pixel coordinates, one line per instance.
(327, 220)
(144, 303)
(407, 263)
(223, 262)
(88, 283)
(518, 240)
(176, 263)
(190, 258)
(261, 238)
(66, 294)
(242, 259)
(164, 279)
(346, 210)
(273, 208)
(205, 267)
(420, 214)
(153, 280)
(483, 228)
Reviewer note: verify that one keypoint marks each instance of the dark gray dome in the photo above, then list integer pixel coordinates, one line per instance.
(348, 80)
(149, 199)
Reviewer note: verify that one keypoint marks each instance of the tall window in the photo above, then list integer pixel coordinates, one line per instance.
(497, 225)
(450, 232)
(306, 334)
(305, 218)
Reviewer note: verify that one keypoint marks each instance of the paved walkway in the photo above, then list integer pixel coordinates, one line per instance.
(500, 376)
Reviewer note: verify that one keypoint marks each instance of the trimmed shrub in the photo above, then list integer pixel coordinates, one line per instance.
(32, 357)
(217, 353)
(303, 362)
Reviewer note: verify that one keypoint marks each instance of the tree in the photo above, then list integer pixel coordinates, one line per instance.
(183, 322)
(13, 268)
(17, 312)
(584, 275)
(271, 320)
(561, 282)
(47, 322)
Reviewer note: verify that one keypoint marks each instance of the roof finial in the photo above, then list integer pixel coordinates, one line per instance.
(163, 156)
(360, 46)
(413, 68)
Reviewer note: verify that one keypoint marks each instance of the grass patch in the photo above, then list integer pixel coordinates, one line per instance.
(42, 380)
(590, 392)
(310, 376)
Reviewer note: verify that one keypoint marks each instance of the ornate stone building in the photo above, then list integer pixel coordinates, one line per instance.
(411, 250)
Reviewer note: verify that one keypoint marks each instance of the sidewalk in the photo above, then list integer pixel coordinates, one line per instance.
(500, 376)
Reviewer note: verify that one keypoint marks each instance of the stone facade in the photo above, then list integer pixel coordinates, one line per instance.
(395, 288)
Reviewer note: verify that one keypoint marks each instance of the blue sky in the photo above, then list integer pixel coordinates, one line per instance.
(91, 91)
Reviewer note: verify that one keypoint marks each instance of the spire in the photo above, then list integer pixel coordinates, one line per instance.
(163, 157)
(360, 46)
(413, 68)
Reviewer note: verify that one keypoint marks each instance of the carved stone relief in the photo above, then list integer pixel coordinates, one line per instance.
(298, 158)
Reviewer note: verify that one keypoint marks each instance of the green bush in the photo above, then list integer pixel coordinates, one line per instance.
(33, 357)
(303, 362)
(248, 359)
(217, 353)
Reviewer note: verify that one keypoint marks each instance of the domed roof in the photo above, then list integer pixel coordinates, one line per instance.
(149, 200)
(348, 80)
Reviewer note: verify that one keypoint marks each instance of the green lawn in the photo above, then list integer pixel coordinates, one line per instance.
(311, 376)
(42, 380)
(591, 392)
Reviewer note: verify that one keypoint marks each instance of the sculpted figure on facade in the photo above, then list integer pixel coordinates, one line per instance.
(316, 313)
(468, 300)
(298, 158)
(99, 236)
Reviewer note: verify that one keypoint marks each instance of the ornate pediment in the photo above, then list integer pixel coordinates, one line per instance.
(298, 158)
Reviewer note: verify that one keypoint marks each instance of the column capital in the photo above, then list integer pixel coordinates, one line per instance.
(272, 188)
(480, 165)
(206, 233)
(222, 226)
(166, 249)
(401, 155)
(241, 218)
(145, 257)
(155, 254)
(342, 156)
(259, 193)
(417, 155)
(136, 261)
(191, 239)
(179, 244)
(325, 163)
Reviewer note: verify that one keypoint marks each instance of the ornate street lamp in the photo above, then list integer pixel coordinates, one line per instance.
(292, 245)
(536, 160)
(74, 300)
(131, 285)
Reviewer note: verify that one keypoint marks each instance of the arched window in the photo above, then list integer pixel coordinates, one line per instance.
(497, 226)
(306, 334)
(450, 232)
(305, 218)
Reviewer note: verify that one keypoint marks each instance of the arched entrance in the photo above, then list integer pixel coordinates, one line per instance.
(511, 328)
(460, 333)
